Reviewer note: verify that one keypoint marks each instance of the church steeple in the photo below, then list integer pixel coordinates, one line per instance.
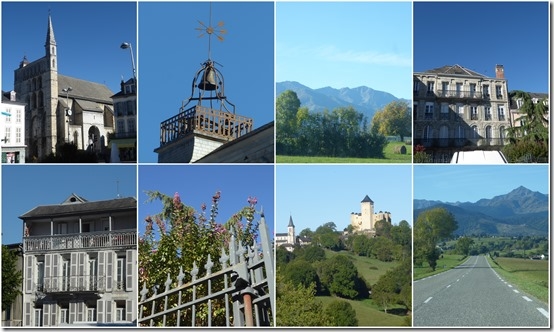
(50, 45)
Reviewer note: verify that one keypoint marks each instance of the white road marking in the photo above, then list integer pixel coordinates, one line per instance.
(510, 286)
(527, 299)
(544, 312)
(429, 299)
(457, 280)
(448, 286)
(516, 291)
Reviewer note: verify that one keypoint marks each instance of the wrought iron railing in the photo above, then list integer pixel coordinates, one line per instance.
(119, 238)
(459, 94)
(79, 283)
(458, 142)
(242, 291)
(198, 118)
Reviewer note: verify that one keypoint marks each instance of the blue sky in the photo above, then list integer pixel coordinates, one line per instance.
(346, 44)
(469, 183)
(170, 54)
(27, 186)
(316, 194)
(196, 184)
(480, 35)
(88, 36)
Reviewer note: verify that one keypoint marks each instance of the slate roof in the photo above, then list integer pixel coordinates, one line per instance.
(291, 224)
(89, 105)
(84, 90)
(367, 199)
(455, 70)
(80, 207)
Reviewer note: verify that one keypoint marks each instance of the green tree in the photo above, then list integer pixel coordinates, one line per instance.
(312, 253)
(395, 119)
(11, 278)
(301, 272)
(339, 276)
(297, 305)
(463, 245)
(430, 227)
(394, 287)
(178, 237)
(341, 313)
(286, 108)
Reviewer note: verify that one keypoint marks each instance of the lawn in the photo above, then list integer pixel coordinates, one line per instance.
(368, 313)
(445, 263)
(368, 268)
(390, 157)
(531, 276)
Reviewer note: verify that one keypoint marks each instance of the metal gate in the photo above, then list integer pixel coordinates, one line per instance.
(243, 289)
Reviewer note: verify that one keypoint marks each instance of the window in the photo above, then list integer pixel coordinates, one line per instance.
(488, 115)
(40, 276)
(130, 108)
(429, 110)
(131, 125)
(486, 92)
(427, 133)
(121, 126)
(120, 311)
(474, 132)
(8, 115)
(416, 86)
(499, 91)
(120, 282)
(64, 316)
(501, 115)
(65, 275)
(519, 102)
(459, 89)
(38, 317)
(444, 111)
(17, 135)
(430, 87)
(474, 113)
(92, 273)
(91, 314)
(472, 90)
(8, 134)
(62, 228)
(445, 89)
(460, 132)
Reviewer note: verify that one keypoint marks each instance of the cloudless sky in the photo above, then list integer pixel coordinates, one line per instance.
(88, 37)
(346, 44)
(316, 194)
(196, 184)
(470, 183)
(25, 187)
(480, 35)
(171, 52)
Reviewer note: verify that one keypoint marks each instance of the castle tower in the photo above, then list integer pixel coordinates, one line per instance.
(198, 130)
(36, 84)
(367, 213)
(290, 232)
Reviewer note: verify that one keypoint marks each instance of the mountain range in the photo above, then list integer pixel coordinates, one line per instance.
(364, 100)
(519, 212)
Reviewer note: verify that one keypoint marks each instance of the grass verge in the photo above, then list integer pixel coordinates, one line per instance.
(368, 313)
(445, 263)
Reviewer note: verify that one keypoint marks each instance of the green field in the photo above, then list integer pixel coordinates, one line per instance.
(368, 313)
(445, 263)
(531, 276)
(368, 268)
(390, 158)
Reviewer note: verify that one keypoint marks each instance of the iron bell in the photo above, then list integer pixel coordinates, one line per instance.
(208, 81)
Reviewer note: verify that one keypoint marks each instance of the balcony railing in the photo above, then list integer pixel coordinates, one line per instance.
(80, 283)
(459, 94)
(119, 238)
(458, 142)
(198, 118)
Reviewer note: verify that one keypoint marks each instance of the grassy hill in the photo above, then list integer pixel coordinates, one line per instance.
(369, 268)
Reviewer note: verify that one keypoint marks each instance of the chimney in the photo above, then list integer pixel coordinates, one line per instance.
(500, 71)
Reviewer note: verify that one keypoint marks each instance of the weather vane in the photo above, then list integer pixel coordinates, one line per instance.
(210, 30)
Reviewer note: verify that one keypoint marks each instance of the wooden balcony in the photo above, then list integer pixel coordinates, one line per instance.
(95, 240)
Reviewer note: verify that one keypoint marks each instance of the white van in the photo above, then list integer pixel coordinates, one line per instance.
(478, 157)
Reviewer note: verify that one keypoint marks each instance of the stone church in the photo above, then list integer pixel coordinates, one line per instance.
(61, 109)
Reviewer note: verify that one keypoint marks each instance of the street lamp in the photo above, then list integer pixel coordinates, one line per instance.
(125, 46)
(68, 111)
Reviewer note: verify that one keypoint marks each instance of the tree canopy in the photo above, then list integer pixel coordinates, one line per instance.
(431, 226)
(12, 278)
(395, 119)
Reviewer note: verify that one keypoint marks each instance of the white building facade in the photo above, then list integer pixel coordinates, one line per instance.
(12, 129)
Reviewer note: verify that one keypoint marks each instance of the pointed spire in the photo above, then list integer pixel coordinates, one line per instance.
(291, 224)
(50, 39)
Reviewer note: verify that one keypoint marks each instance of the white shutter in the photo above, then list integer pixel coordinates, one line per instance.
(46, 314)
(130, 310)
(55, 272)
(130, 270)
(73, 271)
(72, 312)
(81, 270)
(47, 272)
(28, 313)
(101, 270)
(100, 311)
(53, 314)
(81, 311)
(109, 311)
(109, 270)
(30, 263)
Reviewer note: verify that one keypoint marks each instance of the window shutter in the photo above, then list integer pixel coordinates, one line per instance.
(130, 270)
(81, 311)
(129, 310)
(81, 270)
(109, 270)
(29, 275)
(101, 270)
(72, 312)
(47, 272)
(53, 314)
(73, 271)
(109, 311)
(46, 314)
(100, 311)
(28, 313)
(55, 272)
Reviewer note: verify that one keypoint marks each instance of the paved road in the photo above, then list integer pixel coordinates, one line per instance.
(473, 294)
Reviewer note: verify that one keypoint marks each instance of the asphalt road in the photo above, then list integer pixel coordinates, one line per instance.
(472, 294)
